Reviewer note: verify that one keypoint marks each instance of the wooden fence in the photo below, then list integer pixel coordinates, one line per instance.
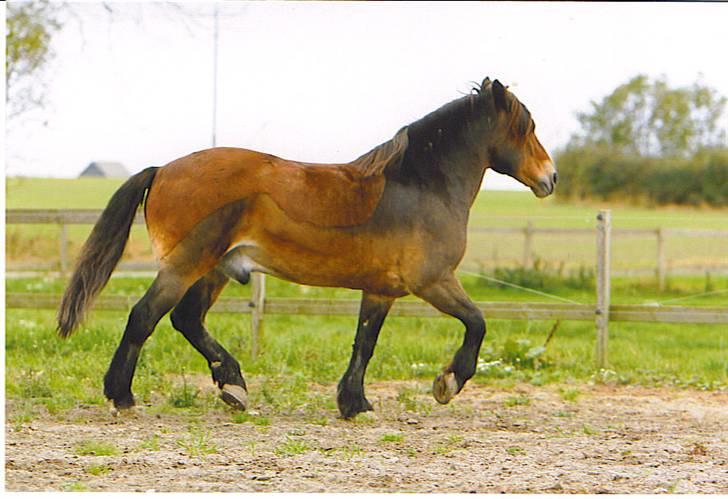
(602, 312)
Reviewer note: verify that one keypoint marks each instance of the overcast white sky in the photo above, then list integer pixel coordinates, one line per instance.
(326, 82)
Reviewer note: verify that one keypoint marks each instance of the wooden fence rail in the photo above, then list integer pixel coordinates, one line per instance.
(602, 312)
(407, 308)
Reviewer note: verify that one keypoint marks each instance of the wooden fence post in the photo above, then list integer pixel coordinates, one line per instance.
(528, 245)
(63, 254)
(660, 258)
(258, 304)
(604, 229)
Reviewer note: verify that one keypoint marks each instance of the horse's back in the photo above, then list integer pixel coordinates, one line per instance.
(194, 187)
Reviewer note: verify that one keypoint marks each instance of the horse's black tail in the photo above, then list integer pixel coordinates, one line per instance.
(102, 251)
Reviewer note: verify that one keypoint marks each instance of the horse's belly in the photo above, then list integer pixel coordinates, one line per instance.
(346, 257)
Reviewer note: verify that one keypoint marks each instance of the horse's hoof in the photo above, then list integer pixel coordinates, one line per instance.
(116, 408)
(352, 403)
(235, 396)
(445, 387)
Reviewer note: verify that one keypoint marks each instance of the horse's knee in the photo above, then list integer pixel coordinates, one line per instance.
(182, 320)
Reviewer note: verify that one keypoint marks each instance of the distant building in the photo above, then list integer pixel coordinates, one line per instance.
(105, 169)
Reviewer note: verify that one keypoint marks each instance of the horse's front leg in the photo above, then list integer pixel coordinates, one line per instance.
(372, 312)
(448, 296)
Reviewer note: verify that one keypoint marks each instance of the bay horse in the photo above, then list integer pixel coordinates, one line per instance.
(391, 223)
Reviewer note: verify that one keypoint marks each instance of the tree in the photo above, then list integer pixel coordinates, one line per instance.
(30, 27)
(649, 118)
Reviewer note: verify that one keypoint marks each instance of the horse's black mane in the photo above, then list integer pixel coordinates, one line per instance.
(437, 135)
(443, 133)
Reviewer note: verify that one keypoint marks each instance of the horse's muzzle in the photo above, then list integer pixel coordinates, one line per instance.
(545, 186)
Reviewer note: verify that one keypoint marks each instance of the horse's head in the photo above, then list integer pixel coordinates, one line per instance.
(514, 149)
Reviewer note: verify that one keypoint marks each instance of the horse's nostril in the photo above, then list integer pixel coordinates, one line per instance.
(555, 177)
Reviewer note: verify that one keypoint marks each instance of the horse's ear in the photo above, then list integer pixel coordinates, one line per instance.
(485, 83)
(499, 96)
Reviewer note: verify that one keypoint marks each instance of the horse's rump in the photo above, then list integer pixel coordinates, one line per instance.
(191, 188)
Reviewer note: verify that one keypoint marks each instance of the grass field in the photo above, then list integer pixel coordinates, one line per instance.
(45, 373)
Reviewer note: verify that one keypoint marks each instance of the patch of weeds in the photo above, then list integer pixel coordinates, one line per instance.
(543, 275)
(292, 447)
(605, 377)
(74, 487)
(96, 448)
(454, 439)
(318, 420)
(451, 443)
(517, 400)
(197, 443)
(98, 469)
(184, 396)
(35, 385)
(58, 404)
(515, 451)
(569, 394)
(20, 420)
(589, 430)
(562, 414)
(285, 394)
(520, 353)
(364, 418)
(244, 417)
(409, 399)
(393, 437)
(351, 451)
(151, 444)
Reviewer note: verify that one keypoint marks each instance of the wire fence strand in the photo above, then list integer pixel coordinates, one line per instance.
(522, 288)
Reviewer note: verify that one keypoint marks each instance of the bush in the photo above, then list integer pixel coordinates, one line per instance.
(596, 173)
(542, 276)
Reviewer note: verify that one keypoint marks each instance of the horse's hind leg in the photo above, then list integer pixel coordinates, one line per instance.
(188, 318)
(164, 293)
(372, 312)
(449, 297)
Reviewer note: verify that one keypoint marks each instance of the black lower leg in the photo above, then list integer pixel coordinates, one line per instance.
(449, 297)
(188, 318)
(350, 396)
(156, 302)
(465, 361)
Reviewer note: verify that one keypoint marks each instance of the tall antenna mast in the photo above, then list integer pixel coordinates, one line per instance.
(216, 30)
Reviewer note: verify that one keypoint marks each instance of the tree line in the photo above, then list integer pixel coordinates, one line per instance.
(650, 143)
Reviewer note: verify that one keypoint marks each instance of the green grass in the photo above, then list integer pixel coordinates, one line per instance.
(197, 443)
(292, 447)
(45, 372)
(393, 437)
(244, 417)
(98, 469)
(96, 448)
(569, 394)
(517, 400)
(151, 444)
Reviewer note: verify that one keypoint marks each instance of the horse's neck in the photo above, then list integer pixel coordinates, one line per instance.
(443, 158)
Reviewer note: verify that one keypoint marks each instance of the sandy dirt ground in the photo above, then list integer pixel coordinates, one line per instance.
(527, 439)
